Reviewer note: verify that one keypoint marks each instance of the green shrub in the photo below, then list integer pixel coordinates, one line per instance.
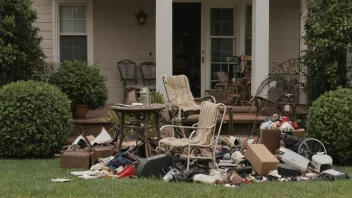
(328, 34)
(35, 119)
(329, 120)
(82, 83)
(21, 55)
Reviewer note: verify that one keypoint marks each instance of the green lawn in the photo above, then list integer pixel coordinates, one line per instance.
(31, 178)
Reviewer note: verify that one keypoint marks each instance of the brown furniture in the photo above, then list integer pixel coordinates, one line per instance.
(141, 114)
(237, 88)
(224, 82)
(245, 61)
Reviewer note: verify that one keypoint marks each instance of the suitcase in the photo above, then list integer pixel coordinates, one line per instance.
(154, 166)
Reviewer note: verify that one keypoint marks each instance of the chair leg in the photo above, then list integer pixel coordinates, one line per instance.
(241, 101)
(124, 96)
(235, 101)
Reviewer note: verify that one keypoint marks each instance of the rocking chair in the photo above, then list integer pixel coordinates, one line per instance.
(180, 97)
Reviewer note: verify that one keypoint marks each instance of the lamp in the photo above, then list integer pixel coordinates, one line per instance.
(142, 17)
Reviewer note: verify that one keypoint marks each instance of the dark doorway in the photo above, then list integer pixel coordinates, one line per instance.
(186, 43)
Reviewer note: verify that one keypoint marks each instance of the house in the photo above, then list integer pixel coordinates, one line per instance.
(182, 36)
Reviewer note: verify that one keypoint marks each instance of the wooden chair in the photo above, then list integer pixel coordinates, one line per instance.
(224, 81)
(204, 135)
(244, 63)
(128, 73)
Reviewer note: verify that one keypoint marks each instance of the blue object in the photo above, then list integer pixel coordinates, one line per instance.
(119, 160)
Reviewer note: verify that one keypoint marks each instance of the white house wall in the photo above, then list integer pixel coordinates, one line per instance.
(284, 30)
(44, 22)
(118, 36)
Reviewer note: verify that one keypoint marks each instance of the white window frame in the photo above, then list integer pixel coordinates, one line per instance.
(234, 39)
(237, 37)
(56, 26)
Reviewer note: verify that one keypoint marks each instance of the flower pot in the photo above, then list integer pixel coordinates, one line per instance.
(80, 111)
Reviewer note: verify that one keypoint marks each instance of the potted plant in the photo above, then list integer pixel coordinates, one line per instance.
(83, 84)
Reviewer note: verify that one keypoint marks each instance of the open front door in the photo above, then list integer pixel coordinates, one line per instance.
(187, 43)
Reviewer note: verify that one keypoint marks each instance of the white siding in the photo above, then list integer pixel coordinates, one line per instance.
(44, 22)
(284, 30)
(118, 36)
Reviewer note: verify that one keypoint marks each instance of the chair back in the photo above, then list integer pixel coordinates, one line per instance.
(223, 77)
(127, 69)
(148, 70)
(244, 62)
(178, 91)
(209, 114)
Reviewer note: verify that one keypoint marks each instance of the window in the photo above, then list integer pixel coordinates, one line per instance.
(222, 35)
(73, 33)
(248, 38)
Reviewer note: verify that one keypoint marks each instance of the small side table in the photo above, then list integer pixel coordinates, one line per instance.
(139, 112)
(294, 107)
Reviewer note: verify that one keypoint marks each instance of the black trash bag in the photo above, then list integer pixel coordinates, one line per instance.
(291, 142)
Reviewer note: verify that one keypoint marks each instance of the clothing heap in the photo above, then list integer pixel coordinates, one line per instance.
(282, 123)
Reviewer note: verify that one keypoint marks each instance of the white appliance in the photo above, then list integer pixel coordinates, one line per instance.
(294, 159)
(322, 162)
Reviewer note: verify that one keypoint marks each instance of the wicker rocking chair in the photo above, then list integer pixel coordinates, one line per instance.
(180, 97)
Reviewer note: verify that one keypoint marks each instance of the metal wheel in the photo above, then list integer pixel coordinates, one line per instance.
(310, 147)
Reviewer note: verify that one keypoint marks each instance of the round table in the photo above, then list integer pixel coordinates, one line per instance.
(141, 113)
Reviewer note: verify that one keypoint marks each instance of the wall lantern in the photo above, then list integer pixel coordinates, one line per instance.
(141, 17)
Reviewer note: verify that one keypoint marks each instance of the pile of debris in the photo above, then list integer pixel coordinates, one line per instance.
(239, 161)
(86, 149)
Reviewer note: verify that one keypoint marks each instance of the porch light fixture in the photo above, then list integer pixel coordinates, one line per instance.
(142, 17)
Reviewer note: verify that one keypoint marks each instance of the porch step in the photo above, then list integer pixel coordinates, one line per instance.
(242, 120)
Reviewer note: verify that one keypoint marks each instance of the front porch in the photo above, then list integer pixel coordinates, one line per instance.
(242, 121)
(267, 30)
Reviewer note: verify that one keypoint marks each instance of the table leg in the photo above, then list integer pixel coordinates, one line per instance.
(120, 135)
(146, 137)
(157, 123)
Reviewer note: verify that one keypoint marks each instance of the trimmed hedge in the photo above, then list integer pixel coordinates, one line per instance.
(82, 83)
(329, 120)
(35, 119)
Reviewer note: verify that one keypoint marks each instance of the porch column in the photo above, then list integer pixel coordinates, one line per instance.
(163, 42)
(260, 43)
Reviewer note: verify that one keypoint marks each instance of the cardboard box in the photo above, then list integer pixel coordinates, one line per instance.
(261, 159)
(76, 159)
(300, 133)
(102, 152)
(271, 138)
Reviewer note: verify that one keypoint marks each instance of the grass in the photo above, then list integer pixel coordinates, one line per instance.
(31, 178)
